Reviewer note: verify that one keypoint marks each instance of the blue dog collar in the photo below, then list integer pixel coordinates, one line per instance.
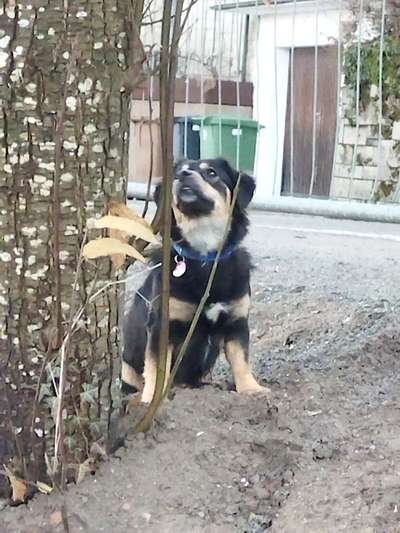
(189, 253)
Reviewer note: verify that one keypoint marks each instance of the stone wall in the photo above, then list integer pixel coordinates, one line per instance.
(367, 164)
(366, 169)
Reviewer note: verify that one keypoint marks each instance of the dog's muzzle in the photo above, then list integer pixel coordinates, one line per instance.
(187, 190)
(187, 195)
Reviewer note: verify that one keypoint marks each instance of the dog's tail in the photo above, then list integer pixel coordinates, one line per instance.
(193, 368)
(211, 354)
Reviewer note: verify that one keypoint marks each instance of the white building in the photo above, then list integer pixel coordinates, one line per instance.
(292, 53)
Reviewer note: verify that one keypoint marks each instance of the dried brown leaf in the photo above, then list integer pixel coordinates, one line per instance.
(118, 260)
(122, 210)
(20, 488)
(109, 246)
(83, 470)
(126, 225)
(43, 487)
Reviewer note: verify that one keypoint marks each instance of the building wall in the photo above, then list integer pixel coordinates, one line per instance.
(140, 139)
(364, 169)
(211, 49)
(367, 169)
(268, 67)
(212, 41)
(368, 153)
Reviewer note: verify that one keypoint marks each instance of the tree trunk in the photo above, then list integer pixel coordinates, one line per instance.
(63, 156)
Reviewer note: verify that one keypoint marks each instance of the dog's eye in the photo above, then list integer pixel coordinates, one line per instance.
(211, 173)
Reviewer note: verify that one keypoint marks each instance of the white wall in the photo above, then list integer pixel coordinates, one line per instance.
(268, 70)
(211, 43)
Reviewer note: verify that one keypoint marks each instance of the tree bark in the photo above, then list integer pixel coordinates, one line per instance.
(63, 142)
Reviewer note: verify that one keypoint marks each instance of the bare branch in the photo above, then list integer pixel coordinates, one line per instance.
(151, 155)
(168, 68)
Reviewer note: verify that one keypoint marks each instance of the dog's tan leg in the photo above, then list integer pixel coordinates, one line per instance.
(150, 374)
(244, 379)
(169, 365)
(130, 376)
(237, 347)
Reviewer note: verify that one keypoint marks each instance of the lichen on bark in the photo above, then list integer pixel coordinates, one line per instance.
(36, 43)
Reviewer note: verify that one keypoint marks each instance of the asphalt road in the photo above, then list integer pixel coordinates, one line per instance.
(361, 259)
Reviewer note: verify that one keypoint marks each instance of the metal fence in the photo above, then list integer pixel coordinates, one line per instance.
(324, 90)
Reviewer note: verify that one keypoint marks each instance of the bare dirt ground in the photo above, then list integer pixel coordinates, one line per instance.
(323, 456)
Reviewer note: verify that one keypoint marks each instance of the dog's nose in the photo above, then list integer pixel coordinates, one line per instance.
(183, 173)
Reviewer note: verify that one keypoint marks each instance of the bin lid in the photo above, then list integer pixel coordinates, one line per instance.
(211, 120)
(182, 120)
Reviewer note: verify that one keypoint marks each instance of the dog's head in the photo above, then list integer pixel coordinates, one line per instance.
(202, 194)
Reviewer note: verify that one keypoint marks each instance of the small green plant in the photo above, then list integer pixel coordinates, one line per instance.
(364, 161)
(369, 71)
(385, 189)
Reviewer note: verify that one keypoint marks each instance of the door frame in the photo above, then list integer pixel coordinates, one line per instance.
(271, 79)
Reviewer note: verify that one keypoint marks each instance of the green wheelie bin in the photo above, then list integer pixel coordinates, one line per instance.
(233, 138)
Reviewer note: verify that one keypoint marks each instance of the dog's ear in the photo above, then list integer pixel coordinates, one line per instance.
(247, 187)
(247, 183)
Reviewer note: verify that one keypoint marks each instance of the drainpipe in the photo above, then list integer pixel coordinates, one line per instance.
(245, 47)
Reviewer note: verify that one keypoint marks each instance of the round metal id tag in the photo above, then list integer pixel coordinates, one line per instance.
(180, 267)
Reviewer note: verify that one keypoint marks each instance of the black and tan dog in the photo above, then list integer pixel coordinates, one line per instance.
(202, 193)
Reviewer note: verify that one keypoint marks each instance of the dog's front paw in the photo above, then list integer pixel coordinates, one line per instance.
(147, 396)
(255, 388)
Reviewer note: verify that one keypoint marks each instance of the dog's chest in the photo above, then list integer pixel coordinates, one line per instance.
(214, 311)
(232, 310)
(204, 234)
